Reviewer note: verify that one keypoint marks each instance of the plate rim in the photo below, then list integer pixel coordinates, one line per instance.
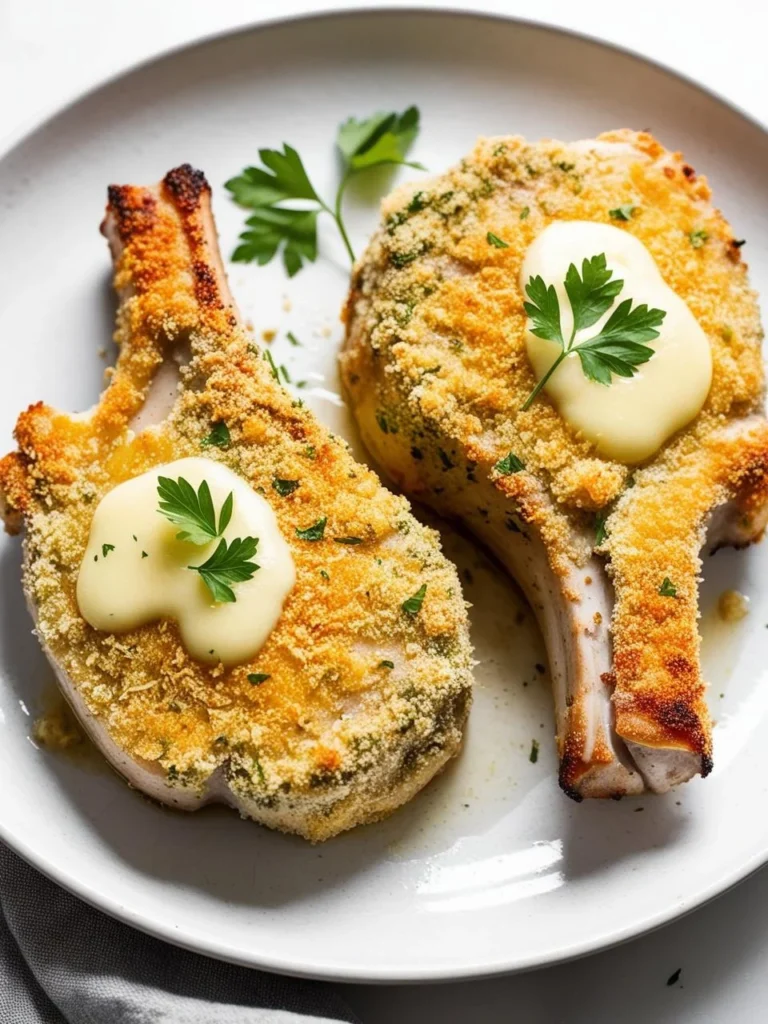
(317, 969)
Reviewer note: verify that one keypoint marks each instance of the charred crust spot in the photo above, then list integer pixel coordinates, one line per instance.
(689, 172)
(186, 185)
(669, 172)
(706, 765)
(608, 679)
(206, 288)
(568, 776)
(134, 210)
(679, 667)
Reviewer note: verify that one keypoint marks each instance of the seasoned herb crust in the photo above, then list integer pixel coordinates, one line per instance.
(436, 369)
(331, 737)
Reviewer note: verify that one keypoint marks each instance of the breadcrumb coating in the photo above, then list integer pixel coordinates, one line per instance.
(334, 736)
(435, 360)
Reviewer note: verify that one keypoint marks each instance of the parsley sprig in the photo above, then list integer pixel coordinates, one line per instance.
(618, 348)
(383, 138)
(195, 513)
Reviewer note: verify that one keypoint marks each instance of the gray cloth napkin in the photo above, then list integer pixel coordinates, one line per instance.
(62, 962)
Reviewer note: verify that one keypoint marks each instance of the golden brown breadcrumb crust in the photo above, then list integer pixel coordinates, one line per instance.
(332, 718)
(436, 356)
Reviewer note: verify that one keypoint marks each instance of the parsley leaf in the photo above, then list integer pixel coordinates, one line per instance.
(412, 605)
(509, 464)
(314, 532)
(219, 436)
(618, 348)
(106, 548)
(268, 228)
(272, 228)
(698, 238)
(191, 510)
(228, 564)
(495, 241)
(285, 487)
(667, 588)
(544, 310)
(591, 294)
(383, 138)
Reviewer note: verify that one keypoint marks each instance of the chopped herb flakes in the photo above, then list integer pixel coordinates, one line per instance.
(495, 241)
(348, 540)
(284, 487)
(509, 464)
(324, 574)
(667, 588)
(386, 664)
(402, 259)
(144, 554)
(256, 678)
(623, 212)
(698, 238)
(314, 532)
(219, 436)
(445, 459)
(106, 548)
(524, 213)
(293, 339)
(272, 365)
(600, 531)
(533, 757)
(412, 605)
(674, 977)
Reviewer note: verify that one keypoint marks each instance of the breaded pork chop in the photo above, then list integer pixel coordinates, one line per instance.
(361, 701)
(436, 368)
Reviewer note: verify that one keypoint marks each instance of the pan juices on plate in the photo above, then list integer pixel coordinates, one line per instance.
(557, 344)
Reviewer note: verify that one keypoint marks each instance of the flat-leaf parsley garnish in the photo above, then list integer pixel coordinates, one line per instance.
(192, 510)
(314, 532)
(229, 563)
(667, 588)
(412, 605)
(383, 138)
(618, 348)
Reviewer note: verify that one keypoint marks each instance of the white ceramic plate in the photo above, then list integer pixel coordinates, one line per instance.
(492, 868)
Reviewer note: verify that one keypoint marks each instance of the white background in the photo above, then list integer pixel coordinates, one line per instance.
(51, 51)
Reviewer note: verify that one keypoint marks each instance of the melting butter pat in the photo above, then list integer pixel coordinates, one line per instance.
(630, 419)
(135, 571)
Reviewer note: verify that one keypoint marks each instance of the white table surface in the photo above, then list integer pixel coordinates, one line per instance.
(51, 50)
